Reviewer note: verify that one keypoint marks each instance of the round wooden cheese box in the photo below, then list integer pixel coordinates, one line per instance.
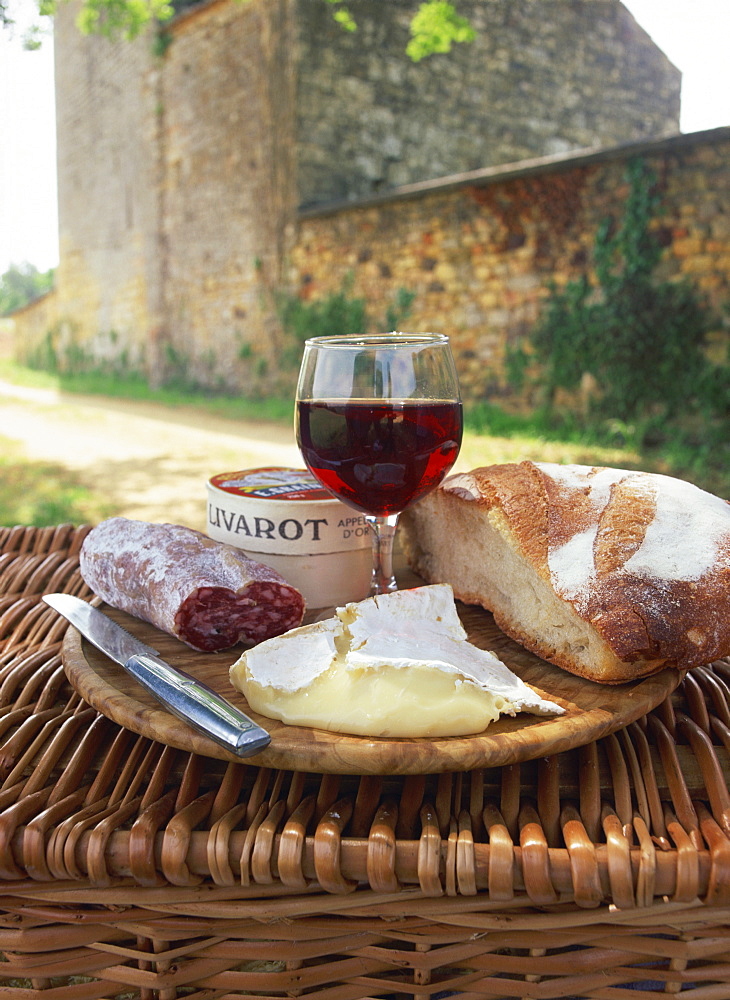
(283, 518)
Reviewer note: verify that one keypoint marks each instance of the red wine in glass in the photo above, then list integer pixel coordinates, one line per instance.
(379, 456)
(378, 422)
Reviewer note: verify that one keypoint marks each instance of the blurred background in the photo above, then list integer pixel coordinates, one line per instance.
(545, 183)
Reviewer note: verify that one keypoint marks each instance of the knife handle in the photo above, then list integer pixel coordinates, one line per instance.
(195, 703)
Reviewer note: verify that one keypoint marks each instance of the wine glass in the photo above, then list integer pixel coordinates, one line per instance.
(379, 423)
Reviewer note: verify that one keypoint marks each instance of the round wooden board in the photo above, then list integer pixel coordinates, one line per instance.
(592, 710)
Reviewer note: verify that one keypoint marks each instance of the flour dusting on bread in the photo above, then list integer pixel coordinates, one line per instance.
(609, 573)
(665, 542)
(684, 517)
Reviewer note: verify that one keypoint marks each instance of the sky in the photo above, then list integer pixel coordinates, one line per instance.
(694, 34)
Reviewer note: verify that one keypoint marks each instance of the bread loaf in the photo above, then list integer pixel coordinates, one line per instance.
(612, 575)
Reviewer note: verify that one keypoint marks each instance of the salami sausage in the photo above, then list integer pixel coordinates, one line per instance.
(207, 594)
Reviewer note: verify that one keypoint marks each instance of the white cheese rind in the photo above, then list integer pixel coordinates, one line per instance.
(290, 662)
(395, 665)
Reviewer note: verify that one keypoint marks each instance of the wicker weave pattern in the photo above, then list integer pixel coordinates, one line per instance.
(131, 869)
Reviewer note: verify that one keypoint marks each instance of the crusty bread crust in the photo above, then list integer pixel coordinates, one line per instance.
(610, 574)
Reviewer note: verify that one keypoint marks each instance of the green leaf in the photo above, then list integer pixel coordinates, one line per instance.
(435, 28)
(114, 19)
(343, 17)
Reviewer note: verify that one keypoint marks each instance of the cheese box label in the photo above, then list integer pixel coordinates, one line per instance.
(281, 511)
(272, 484)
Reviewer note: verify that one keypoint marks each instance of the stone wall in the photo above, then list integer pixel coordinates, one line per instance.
(175, 185)
(540, 78)
(227, 183)
(478, 253)
(24, 335)
(108, 278)
(181, 166)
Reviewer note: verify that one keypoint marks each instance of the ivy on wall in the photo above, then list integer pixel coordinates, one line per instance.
(639, 341)
(339, 313)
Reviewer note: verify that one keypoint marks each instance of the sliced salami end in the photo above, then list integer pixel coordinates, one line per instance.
(205, 593)
(214, 618)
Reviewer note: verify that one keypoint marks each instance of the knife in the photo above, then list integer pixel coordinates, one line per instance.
(185, 696)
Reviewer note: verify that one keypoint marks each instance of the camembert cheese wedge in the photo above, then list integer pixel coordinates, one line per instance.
(394, 665)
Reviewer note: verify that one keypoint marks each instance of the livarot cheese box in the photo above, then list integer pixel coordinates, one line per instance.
(283, 518)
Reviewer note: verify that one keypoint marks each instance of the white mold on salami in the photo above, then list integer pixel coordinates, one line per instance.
(206, 593)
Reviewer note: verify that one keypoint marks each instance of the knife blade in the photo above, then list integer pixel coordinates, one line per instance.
(185, 696)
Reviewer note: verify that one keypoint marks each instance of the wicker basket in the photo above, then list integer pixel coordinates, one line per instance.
(130, 869)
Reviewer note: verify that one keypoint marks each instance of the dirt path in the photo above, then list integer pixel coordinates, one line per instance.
(149, 461)
(152, 462)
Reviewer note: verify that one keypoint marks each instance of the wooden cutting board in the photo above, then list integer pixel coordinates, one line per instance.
(592, 710)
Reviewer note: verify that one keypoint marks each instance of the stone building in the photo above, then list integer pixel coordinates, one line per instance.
(189, 160)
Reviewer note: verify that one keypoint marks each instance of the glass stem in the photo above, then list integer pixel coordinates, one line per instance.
(383, 534)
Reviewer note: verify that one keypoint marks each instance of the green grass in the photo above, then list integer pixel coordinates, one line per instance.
(698, 452)
(134, 387)
(41, 494)
(33, 493)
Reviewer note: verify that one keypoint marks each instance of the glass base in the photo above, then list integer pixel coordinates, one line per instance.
(383, 535)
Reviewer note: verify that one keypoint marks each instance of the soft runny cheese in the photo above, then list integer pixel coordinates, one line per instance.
(395, 665)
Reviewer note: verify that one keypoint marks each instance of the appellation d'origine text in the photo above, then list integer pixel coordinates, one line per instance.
(379, 456)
